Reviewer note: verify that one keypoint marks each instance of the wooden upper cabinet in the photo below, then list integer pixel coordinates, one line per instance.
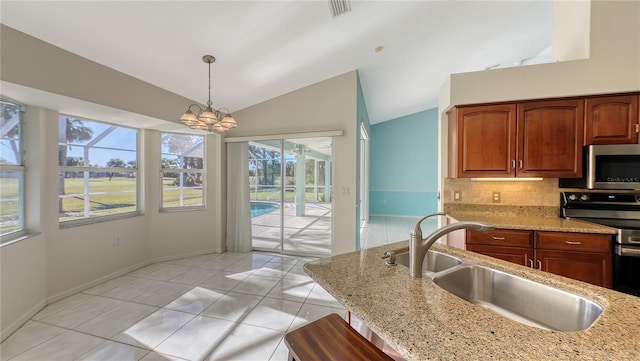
(528, 139)
(482, 141)
(611, 120)
(550, 138)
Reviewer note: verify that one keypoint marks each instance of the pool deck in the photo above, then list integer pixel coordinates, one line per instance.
(307, 235)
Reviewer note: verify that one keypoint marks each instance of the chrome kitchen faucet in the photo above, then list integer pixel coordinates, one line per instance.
(419, 247)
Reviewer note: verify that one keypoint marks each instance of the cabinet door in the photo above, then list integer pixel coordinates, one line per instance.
(611, 120)
(594, 268)
(550, 135)
(518, 255)
(486, 140)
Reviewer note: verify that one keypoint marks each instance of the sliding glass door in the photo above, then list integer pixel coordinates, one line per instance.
(290, 188)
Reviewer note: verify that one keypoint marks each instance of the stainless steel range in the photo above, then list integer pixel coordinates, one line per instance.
(617, 210)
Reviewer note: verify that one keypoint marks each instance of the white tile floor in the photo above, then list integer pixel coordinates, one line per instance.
(227, 306)
(213, 307)
(386, 230)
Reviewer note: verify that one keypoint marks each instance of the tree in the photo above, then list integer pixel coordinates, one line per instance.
(70, 130)
(189, 150)
(115, 163)
(74, 162)
(10, 113)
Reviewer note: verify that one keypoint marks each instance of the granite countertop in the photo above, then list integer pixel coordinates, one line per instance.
(532, 222)
(424, 322)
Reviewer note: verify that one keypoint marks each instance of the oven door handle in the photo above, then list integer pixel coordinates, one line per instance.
(631, 252)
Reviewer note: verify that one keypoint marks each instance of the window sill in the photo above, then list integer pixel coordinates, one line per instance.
(100, 219)
(18, 239)
(182, 209)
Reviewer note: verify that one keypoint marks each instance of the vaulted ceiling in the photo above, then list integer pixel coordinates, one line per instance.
(267, 48)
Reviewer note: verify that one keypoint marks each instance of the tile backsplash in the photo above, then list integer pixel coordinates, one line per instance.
(543, 192)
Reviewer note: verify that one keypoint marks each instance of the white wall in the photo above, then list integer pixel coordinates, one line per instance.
(23, 276)
(613, 66)
(327, 105)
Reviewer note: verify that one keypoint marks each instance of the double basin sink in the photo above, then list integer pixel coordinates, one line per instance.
(516, 298)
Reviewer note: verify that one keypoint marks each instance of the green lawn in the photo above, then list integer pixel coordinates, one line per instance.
(123, 201)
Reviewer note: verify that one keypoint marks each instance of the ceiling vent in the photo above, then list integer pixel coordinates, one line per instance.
(339, 7)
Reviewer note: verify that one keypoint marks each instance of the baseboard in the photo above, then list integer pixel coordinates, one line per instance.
(95, 282)
(9, 330)
(183, 255)
(392, 216)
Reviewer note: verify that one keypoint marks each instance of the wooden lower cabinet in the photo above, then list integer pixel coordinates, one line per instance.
(584, 257)
(581, 256)
(594, 268)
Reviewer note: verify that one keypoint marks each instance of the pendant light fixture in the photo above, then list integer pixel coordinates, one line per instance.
(209, 119)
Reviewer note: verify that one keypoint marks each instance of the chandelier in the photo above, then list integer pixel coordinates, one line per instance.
(209, 119)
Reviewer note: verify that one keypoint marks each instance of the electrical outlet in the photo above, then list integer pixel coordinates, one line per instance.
(496, 197)
(457, 196)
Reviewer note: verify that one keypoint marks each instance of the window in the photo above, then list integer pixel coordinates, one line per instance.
(182, 170)
(11, 171)
(98, 170)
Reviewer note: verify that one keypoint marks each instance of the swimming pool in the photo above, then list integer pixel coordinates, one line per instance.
(260, 208)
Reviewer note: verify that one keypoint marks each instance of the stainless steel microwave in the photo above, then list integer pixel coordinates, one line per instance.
(614, 166)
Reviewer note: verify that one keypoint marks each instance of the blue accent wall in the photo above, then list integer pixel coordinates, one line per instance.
(404, 165)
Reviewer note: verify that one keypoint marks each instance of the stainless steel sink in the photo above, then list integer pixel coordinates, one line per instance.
(434, 261)
(519, 299)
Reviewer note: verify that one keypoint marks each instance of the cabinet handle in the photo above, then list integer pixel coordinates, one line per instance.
(498, 238)
(513, 164)
(573, 243)
(520, 163)
(530, 263)
(637, 128)
(540, 265)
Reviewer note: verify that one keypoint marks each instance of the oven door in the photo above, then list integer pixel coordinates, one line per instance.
(626, 269)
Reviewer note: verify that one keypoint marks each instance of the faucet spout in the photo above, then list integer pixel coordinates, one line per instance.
(419, 247)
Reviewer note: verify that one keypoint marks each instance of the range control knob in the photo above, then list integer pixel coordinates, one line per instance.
(572, 197)
(584, 197)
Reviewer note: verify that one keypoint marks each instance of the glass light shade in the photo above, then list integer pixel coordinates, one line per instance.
(208, 116)
(199, 126)
(228, 122)
(218, 127)
(188, 117)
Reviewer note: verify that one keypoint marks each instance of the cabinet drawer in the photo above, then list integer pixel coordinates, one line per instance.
(501, 237)
(574, 241)
(517, 255)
